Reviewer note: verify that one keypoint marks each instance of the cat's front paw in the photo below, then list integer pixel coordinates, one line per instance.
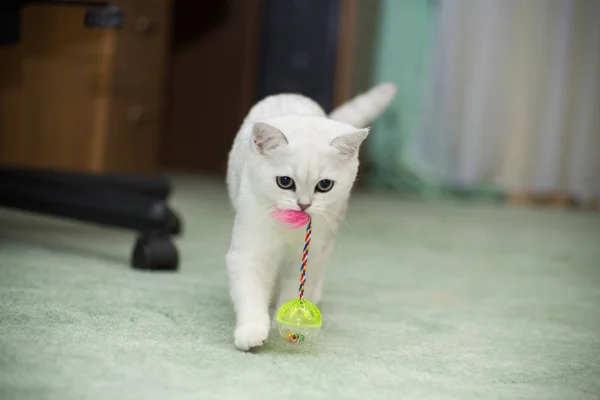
(252, 334)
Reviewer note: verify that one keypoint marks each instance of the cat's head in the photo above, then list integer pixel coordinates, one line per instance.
(305, 162)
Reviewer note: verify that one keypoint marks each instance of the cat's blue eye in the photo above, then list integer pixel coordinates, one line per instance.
(324, 185)
(285, 182)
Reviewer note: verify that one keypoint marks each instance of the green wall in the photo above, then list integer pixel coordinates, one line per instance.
(402, 50)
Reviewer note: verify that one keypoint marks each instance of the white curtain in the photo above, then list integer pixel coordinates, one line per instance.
(514, 97)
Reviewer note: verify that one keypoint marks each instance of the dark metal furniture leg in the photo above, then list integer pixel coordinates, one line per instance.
(121, 202)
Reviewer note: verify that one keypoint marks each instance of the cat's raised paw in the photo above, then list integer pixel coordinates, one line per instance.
(251, 334)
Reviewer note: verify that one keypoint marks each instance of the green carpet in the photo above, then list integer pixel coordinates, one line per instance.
(423, 301)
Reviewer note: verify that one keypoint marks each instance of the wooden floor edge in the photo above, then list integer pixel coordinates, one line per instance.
(551, 200)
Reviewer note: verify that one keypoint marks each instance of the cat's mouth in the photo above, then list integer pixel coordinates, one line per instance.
(293, 219)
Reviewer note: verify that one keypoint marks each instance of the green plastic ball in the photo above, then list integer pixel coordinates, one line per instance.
(298, 321)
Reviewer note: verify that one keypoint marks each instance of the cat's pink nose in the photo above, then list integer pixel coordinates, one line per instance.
(303, 206)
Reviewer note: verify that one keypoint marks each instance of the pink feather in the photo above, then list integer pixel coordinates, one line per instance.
(293, 219)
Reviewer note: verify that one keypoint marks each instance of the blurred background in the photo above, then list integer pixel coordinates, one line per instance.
(497, 99)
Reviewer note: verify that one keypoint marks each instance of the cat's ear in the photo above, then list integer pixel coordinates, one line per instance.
(349, 143)
(266, 137)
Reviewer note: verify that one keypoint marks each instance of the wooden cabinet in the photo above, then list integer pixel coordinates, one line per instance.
(219, 54)
(213, 73)
(81, 98)
(168, 91)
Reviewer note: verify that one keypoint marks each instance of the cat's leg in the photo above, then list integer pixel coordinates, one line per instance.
(275, 291)
(252, 263)
(315, 275)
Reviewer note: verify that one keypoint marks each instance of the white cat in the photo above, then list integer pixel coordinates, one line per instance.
(289, 155)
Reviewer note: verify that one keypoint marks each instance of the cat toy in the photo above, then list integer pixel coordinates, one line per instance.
(299, 320)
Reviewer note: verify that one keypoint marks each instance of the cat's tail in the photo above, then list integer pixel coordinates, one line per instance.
(363, 109)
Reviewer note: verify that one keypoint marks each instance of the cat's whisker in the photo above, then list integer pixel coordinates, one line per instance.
(333, 228)
(267, 210)
(342, 219)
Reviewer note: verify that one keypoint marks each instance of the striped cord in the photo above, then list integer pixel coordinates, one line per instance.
(307, 238)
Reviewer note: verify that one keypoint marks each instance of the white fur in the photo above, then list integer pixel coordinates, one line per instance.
(284, 135)
(365, 107)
